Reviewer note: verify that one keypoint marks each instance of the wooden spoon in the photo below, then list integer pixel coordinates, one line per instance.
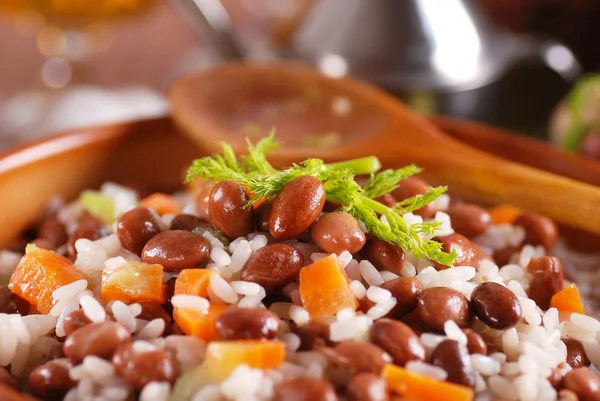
(342, 118)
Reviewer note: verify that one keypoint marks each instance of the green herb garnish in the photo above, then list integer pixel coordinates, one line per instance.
(255, 173)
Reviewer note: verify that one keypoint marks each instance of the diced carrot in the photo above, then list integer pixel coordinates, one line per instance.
(38, 274)
(568, 300)
(504, 214)
(162, 203)
(193, 282)
(134, 282)
(421, 388)
(222, 357)
(324, 288)
(195, 323)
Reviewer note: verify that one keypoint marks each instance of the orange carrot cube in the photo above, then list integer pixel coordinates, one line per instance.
(38, 274)
(324, 288)
(504, 214)
(162, 203)
(196, 323)
(568, 300)
(134, 282)
(421, 388)
(193, 282)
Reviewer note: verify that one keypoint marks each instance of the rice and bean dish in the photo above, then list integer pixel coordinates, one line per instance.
(318, 282)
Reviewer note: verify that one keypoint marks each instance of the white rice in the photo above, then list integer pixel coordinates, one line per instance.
(454, 332)
(353, 328)
(353, 271)
(92, 309)
(219, 256)
(245, 287)
(426, 369)
(141, 346)
(193, 302)
(258, 242)
(153, 329)
(344, 258)
(222, 289)
(378, 294)
(381, 309)
(123, 315)
(298, 314)
(358, 289)
(69, 290)
(369, 273)
(155, 391)
(8, 262)
(241, 255)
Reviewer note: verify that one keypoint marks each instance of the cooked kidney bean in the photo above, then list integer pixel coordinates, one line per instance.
(539, 229)
(469, 220)
(305, 389)
(75, 320)
(454, 358)
(136, 227)
(42, 243)
(202, 203)
(367, 386)
(143, 368)
(412, 186)
(439, 304)
(176, 250)
(296, 207)
(263, 214)
(398, 340)
(247, 323)
(53, 231)
(273, 266)
(496, 305)
(583, 382)
(51, 380)
(169, 292)
(567, 395)
(337, 232)
(226, 210)
(100, 339)
(188, 222)
(6, 378)
(576, 355)
(547, 279)
(312, 334)
(153, 310)
(475, 343)
(468, 254)
(502, 256)
(56, 351)
(358, 356)
(12, 303)
(88, 228)
(406, 290)
(384, 256)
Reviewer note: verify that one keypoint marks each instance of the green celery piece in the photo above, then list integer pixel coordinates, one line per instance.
(98, 205)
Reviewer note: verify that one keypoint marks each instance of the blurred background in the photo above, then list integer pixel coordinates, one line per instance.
(71, 63)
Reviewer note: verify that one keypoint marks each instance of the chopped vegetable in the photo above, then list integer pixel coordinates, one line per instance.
(196, 323)
(222, 357)
(162, 203)
(98, 205)
(504, 214)
(191, 381)
(193, 282)
(254, 172)
(324, 288)
(38, 274)
(421, 388)
(133, 282)
(568, 300)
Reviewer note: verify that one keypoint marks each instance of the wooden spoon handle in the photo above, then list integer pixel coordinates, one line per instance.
(487, 178)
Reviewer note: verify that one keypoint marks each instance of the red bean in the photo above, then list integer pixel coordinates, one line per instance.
(454, 358)
(247, 323)
(263, 214)
(358, 356)
(367, 387)
(496, 305)
(143, 368)
(384, 256)
(539, 229)
(398, 340)
(312, 334)
(51, 380)
(75, 320)
(469, 220)
(547, 279)
(583, 382)
(7, 379)
(273, 266)
(53, 231)
(468, 254)
(227, 211)
(11, 303)
(188, 222)
(136, 227)
(337, 232)
(305, 389)
(296, 207)
(576, 355)
(203, 201)
(176, 250)
(100, 339)
(440, 304)
(88, 228)
(413, 186)
(406, 290)
(475, 343)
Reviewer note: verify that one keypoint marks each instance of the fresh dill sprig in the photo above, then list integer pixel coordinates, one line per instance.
(259, 177)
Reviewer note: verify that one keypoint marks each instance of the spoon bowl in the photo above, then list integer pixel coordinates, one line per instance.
(226, 103)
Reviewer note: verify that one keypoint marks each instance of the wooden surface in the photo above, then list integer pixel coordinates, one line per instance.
(399, 137)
